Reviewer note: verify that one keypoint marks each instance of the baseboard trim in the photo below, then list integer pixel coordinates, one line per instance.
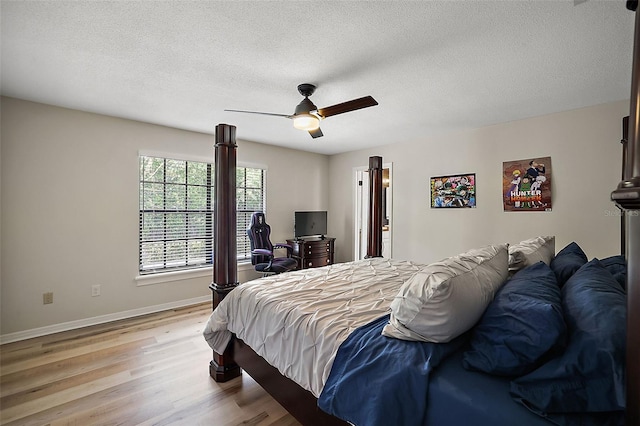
(72, 325)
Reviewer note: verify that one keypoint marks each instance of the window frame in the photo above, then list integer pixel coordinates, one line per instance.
(163, 266)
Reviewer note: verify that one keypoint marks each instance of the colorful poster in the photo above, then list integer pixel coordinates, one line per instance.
(526, 185)
(453, 191)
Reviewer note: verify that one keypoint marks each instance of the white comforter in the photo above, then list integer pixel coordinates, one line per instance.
(297, 320)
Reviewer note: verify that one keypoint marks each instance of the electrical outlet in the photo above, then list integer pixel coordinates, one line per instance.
(47, 298)
(95, 290)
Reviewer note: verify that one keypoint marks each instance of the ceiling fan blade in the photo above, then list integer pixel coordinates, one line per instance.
(261, 113)
(316, 133)
(348, 106)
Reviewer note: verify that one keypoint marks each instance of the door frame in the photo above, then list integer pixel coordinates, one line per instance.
(361, 212)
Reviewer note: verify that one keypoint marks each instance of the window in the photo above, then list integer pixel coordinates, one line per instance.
(249, 199)
(176, 212)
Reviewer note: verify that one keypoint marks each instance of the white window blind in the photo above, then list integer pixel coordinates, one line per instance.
(176, 212)
(249, 199)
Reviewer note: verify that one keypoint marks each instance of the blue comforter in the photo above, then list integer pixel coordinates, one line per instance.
(367, 369)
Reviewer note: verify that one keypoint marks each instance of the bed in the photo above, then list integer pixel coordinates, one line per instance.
(343, 355)
(330, 331)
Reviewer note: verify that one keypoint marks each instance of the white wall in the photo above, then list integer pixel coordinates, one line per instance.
(585, 150)
(69, 200)
(69, 197)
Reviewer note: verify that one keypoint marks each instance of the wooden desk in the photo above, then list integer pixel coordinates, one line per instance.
(313, 252)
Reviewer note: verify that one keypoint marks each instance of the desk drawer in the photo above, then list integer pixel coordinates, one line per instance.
(314, 262)
(317, 249)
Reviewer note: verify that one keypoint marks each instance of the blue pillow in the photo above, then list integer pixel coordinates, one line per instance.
(567, 262)
(589, 375)
(617, 266)
(520, 326)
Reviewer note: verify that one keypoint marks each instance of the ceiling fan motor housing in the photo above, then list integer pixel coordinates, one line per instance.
(305, 107)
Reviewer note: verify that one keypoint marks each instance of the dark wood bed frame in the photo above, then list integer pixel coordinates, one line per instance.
(301, 403)
(238, 356)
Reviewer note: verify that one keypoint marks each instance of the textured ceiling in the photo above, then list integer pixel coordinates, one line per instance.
(433, 66)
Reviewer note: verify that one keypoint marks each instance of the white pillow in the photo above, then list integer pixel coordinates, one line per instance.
(531, 251)
(446, 298)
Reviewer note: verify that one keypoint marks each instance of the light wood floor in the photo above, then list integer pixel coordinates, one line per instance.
(150, 370)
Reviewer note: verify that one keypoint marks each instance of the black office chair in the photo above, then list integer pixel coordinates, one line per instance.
(262, 251)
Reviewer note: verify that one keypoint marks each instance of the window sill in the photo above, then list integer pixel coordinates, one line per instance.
(165, 277)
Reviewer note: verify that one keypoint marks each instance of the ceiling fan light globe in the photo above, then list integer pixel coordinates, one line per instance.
(306, 122)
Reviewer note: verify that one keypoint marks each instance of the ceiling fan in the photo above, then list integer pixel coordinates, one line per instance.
(307, 116)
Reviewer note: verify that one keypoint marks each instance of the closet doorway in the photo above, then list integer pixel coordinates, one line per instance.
(362, 210)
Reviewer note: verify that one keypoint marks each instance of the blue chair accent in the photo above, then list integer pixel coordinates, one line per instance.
(262, 251)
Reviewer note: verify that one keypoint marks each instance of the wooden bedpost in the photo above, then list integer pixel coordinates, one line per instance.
(374, 241)
(623, 219)
(225, 268)
(627, 196)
